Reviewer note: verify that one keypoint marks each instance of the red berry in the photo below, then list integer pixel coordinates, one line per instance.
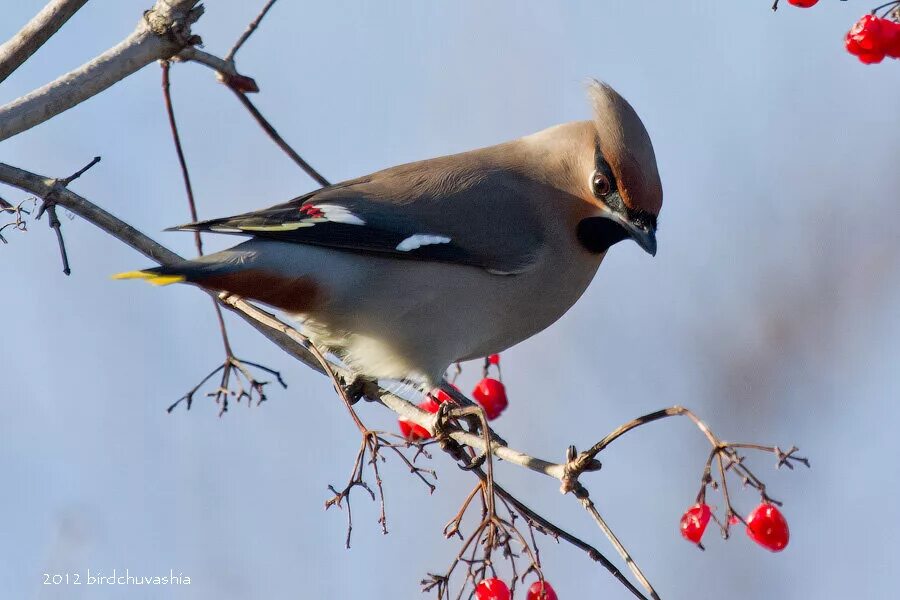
(803, 3)
(492, 589)
(865, 57)
(541, 590)
(870, 58)
(694, 521)
(430, 404)
(766, 526)
(871, 38)
(414, 432)
(867, 33)
(494, 359)
(491, 395)
(892, 39)
(440, 396)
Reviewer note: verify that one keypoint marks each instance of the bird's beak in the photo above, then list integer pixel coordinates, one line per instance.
(644, 236)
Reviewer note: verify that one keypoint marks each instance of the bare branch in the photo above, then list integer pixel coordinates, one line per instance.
(584, 497)
(249, 31)
(163, 31)
(44, 186)
(276, 137)
(226, 72)
(543, 523)
(36, 32)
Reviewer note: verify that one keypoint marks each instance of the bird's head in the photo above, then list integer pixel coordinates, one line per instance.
(624, 183)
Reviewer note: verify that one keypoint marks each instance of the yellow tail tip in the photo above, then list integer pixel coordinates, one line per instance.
(152, 278)
(133, 275)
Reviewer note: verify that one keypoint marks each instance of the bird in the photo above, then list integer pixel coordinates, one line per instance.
(408, 270)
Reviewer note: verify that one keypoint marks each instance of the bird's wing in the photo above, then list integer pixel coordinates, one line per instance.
(439, 212)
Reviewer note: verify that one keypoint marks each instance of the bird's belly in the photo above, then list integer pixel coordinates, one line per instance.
(400, 316)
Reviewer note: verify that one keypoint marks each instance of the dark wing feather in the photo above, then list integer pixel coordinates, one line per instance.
(417, 211)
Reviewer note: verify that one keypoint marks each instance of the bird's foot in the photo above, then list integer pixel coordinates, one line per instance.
(445, 415)
(362, 387)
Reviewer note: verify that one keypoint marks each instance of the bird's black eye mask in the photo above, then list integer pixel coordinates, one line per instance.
(605, 188)
(597, 234)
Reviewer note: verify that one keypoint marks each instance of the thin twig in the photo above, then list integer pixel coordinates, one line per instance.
(584, 497)
(53, 221)
(276, 137)
(232, 363)
(18, 223)
(591, 551)
(249, 31)
(182, 162)
(80, 171)
(585, 461)
(189, 190)
(49, 207)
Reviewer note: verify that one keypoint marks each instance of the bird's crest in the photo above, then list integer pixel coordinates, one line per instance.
(626, 147)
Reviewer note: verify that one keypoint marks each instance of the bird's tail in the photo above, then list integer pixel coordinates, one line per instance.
(201, 270)
(155, 276)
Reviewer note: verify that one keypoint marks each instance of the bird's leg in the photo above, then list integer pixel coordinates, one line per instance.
(362, 387)
(442, 423)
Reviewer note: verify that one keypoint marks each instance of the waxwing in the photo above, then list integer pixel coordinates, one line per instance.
(402, 272)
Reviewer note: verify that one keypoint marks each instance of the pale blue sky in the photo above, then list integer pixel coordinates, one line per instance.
(770, 308)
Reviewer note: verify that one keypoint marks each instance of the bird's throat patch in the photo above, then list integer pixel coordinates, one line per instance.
(598, 234)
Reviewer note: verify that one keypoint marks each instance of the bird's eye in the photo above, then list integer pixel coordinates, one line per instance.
(600, 184)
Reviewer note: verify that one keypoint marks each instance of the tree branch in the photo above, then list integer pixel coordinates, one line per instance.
(224, 70)
(36, 32)
(163, 31)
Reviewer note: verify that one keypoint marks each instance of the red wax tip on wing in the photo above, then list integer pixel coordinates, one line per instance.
(311, 211)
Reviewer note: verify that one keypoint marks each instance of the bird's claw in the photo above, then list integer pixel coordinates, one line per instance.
(474, 463)
(362, 387)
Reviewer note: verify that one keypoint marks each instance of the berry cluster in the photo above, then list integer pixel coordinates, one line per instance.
(489, 393)
(765, 525)
(872, 38)
(496, 589)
